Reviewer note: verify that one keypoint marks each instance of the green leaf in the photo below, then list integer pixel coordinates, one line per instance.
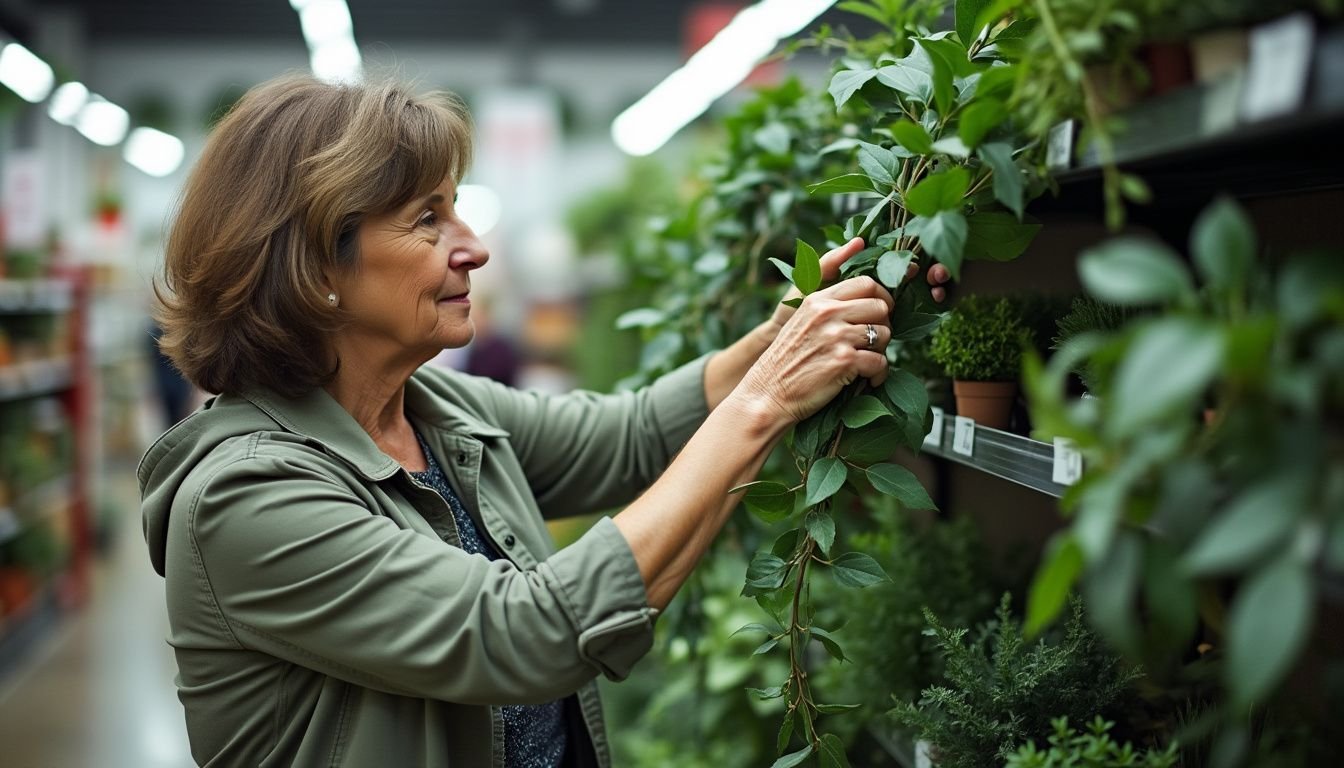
(832, 750)
(1134, 271)
(1168, 366)
(1009, 188)
(821, 527)
(952, 53)
(1258, 521)
(913, 137)
(997, 236)
(863, 9)
(640, 318)
(952, 146)
(849, 182)
(908, 80)
(806, 268)
(943, 236)
(941, 78)
(773, 138)
(979, 118)
(967, 12)
(824, 479)
(901, 484)
(771, 502)
(915, 326)
(857, 570)
(1223, 245)
(938, 192)
(835, 709)
(793, 758)
(765, 694)
(766, 647)
(873, 213)
(864, 409)
(755, 627)
(881, 165)
(892, 266)
(828, 642)
(1110, 588)
(785, 733)
(875, 442)
(846, 82)
(784, 267)
(907, 392)
(766, 571)
(1054, 580)
(1268, 626)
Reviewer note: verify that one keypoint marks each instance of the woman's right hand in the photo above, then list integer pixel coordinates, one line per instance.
(822, 348)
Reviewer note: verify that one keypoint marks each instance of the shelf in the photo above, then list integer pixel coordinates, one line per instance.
(31, 297)
(1012, 457)
(34, 378)
(1220, 137)
(35, 505)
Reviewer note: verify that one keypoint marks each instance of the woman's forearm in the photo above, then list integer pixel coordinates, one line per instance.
(670, 527)
(725, 369)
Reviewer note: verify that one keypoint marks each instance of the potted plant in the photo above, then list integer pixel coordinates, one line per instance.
(1090, 315)
(979, 344)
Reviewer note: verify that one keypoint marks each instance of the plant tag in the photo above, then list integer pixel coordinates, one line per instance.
(963, 436)
(1059, 146)
(1281, 53)
(923, 754)
(1068, 462)
(935, 437)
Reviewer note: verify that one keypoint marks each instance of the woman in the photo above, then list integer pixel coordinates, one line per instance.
(356, 563)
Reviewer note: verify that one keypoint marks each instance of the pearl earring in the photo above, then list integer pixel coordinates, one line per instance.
(331, 299)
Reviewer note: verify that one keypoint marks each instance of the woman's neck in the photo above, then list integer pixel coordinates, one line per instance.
(372, 389)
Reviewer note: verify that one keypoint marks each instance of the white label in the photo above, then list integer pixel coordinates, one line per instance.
(963, 436)
(1068, 462)
(1280, 62)
(24, 194)
(923, 758)
(935, 437)
(1059, 147)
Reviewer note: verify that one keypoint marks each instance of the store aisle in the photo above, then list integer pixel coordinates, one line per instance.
(100, 693)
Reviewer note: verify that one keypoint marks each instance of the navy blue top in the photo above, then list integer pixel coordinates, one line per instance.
(534, 734)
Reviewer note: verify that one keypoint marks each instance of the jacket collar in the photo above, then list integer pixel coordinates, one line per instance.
(318, 417)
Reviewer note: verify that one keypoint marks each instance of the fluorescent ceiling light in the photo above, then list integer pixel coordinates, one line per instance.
(66, 103)
(480, 207)
(714, 70)
(103, 122)
(154, 152)
(337, 62)
(25, 74)
(324, 21)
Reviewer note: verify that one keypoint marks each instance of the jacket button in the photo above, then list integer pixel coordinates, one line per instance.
(509, 541)
(461, 458)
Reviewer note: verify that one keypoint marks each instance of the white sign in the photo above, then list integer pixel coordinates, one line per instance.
(963, 436)
(1280, 63)
(1068, 462)
(935, 437)
(25, 221)
(1059, 146)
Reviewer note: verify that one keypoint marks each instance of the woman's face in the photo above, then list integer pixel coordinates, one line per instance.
(410, 290)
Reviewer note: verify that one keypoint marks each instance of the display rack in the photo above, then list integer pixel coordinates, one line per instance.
(1024, 461)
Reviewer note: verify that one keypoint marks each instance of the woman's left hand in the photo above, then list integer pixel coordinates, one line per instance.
(831, 262)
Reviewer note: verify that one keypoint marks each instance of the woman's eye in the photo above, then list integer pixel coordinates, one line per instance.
(428, 220)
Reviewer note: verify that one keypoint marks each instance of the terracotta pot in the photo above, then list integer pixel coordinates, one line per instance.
(1168, 66)
(988, 402)
(1219, 53)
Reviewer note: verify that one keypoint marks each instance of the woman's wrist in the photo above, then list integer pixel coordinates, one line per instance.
(757, 416)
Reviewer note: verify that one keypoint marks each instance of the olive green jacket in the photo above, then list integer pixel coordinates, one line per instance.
(319, 610)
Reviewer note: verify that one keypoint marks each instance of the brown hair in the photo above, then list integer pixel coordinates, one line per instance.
(275, 200)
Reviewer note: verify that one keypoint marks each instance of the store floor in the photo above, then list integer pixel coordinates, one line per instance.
(99, 692)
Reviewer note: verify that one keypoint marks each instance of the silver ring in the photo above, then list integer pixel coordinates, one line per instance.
(871, 336)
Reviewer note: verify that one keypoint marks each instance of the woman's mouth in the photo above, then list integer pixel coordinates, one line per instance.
(461, 298)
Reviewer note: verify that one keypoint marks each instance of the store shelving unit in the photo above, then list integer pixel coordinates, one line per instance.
(1024, 461)
(58, 507)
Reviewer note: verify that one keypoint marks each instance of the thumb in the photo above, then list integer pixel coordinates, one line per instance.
(831, 261)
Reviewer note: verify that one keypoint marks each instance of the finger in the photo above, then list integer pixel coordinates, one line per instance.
(861, 287)
(871, 366)
(860, 312)
(831, 260)
(938, 274)
(938, 294)
(881, 336)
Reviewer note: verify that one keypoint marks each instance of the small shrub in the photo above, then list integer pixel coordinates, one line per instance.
(981, 340)
(1088, 315)
(1002, 692)
(1093, 749)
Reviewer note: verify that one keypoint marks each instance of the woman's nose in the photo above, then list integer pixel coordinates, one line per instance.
(469, 252)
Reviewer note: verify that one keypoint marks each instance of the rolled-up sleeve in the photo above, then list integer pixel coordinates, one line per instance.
(297, 567)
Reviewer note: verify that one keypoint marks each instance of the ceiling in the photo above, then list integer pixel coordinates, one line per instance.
(564, 22)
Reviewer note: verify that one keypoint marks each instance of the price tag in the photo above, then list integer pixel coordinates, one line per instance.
(963, 436)
(1068, 462)
(1276, 80)
(1059, 146)
(935, 437)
